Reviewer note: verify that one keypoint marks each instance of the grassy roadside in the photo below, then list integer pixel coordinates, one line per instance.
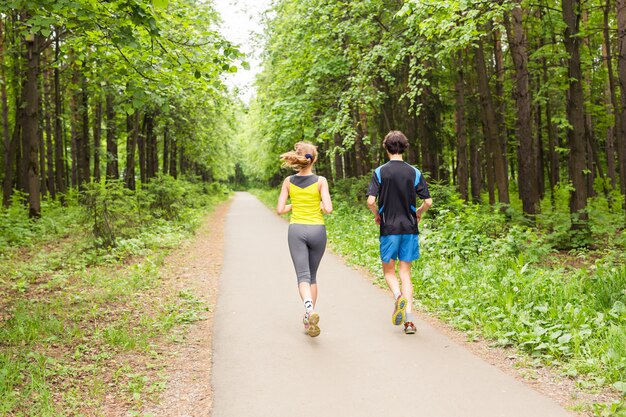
(82, 324)
(491, 275)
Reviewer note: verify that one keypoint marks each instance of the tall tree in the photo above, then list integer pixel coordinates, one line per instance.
(6, 134)
(488, 115)
(621, 69)
(30, 118)
(132, 132)
(575, 112)
(112, 167)
(460, 130)
(528, 175)
(610, 96)
(97, 134)
(59, 156)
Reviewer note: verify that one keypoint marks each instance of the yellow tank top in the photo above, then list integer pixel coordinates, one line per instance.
(305, 200)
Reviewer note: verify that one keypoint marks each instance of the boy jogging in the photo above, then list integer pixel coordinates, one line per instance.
(392, 198)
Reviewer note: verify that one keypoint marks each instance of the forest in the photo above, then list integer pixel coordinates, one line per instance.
(120, 132)
(120, 91)
(508, 98)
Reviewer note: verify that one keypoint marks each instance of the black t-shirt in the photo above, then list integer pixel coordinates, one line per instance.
(397, 184)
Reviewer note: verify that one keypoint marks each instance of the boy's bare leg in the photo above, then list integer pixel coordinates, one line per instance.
(407, 285)
(389, 270)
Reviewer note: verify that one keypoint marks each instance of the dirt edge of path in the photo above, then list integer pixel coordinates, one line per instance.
(188, 365)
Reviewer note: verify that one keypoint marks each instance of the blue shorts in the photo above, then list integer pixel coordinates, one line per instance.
(403, 247)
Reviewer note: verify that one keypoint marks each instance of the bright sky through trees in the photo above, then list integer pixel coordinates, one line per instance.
(242, 25)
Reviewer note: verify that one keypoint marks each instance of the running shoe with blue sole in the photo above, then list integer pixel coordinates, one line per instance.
(398, 312)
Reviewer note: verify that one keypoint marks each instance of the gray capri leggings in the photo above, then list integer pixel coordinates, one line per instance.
(307, 243)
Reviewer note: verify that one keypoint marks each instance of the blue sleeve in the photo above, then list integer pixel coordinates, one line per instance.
(422, 188)
(374, 187)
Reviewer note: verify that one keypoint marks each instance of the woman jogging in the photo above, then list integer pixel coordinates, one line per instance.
(307, 233)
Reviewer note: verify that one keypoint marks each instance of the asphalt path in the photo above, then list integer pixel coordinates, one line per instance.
(360, 366)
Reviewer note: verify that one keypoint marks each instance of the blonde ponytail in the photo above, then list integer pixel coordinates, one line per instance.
(303, 155)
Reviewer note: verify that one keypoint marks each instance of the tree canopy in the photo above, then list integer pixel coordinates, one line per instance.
(507, 97)
(149, 73)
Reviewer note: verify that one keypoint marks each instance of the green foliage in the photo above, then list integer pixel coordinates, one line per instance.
(64, 290)
(116, 212)
(269, 197)
(163, 59)
(352, 190)
(111, 209)
(17, 229)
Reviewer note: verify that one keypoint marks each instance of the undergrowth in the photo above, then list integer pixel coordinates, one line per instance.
(82, 304)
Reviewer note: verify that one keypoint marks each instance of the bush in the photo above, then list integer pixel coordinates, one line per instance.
(165, 196)
(112, 210)
(351, 190)
(17, 229)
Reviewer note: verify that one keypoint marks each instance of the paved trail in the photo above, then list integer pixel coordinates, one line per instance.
(359, 366)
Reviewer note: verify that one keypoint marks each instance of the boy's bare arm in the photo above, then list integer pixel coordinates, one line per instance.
(373, 206)
(423, 208)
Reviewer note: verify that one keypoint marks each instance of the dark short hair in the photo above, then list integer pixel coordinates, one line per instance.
(395, 142)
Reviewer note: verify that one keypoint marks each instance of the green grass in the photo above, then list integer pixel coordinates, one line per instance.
(79, 320)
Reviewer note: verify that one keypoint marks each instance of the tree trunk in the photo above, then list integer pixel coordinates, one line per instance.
(338, 159)
(324, 166)
(75, 130)
(113, 172)
(141, 150)
(462, 171)
(84, 174)
(174, 159)
(491, 126)
(97, 135)
(540, 153)
(182, 160)
(30, 121)
(476, 179)
(132, 127)
(349, 162)
(621, 70)
(6, 135)
(166, 150)
(151, 149)
(427, 127)
(475, 124)
(9, 175)
(48, 124)
(60, 172)
(527, 178)
(575, 113)
(412, 136)
(553, 155)
(500, 104)
(610, 99)
(358, 143)
(592, 167)
(43, 188)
